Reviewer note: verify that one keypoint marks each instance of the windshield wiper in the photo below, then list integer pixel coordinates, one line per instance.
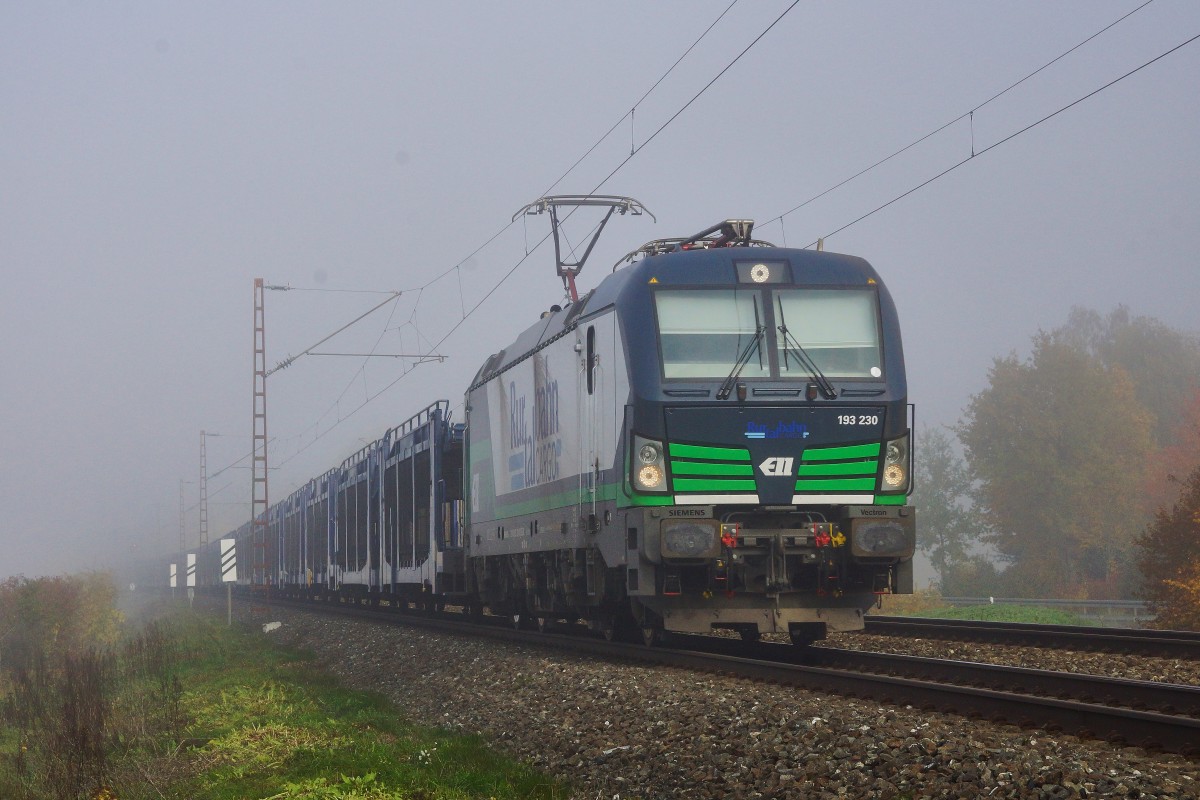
(753, 345)
(791, 345)
(806, 361)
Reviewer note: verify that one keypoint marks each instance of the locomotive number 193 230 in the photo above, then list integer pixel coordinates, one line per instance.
(861, 419)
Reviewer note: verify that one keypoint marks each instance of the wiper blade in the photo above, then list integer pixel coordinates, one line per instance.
(806, 361)
(753, 345)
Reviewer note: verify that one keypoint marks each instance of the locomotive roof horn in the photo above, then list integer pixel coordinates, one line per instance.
(567, 270)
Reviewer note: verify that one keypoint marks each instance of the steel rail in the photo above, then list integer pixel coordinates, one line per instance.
(1179, 644)
(1141, 695)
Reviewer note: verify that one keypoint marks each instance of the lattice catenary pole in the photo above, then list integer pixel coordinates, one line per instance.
(258, 487)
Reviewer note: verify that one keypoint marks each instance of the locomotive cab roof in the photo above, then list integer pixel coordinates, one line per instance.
(710, 257)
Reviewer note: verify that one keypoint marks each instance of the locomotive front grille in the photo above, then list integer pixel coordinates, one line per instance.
(700, 472)
(849, 468)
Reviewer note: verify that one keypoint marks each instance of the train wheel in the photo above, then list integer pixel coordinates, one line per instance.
(618, 625)
(803, 635)
(653, 636)
(749, 634)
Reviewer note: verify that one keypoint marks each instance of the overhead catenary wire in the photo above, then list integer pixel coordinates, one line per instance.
(546, 237)
(362, 367)
(520, 261)
(588, 152)
(437, 345)
(696, 96)
(466, 313)
(456, 268)
(287, 362)
(1006, 139)
(426, 356)
(639, 101)
(393, 295)
(634, 150)
(286, 288)
(626, 160)
(970, 114)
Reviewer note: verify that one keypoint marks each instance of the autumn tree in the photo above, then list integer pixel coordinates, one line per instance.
(1174, 459)
(950, 528)
(1163, 363)
(1169, 560)
(1059, 443)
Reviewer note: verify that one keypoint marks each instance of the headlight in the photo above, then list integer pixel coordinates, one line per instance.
(896, 466)
(881, 538)
(648, 470)
(650, 476)
(893, 476)
(689, 540)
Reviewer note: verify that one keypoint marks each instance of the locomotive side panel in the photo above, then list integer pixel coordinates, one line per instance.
(542, 440)
(545, 472)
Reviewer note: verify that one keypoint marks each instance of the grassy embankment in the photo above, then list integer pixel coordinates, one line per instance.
(197, 710)
(929, 604)
(273, 726)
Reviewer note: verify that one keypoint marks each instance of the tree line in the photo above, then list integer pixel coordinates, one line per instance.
(1075, 472)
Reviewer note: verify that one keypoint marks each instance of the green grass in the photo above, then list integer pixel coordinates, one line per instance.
(930, 604)
(269, 724)
(262, 721)
(1008, 613)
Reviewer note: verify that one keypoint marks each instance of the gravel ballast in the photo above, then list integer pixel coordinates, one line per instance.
(615, 730)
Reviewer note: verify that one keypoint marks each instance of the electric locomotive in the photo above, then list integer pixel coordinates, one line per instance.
(717, 436)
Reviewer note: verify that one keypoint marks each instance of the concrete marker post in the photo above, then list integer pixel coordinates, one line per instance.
(228, 574)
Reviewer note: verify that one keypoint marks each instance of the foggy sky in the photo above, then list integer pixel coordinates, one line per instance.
(155, 158)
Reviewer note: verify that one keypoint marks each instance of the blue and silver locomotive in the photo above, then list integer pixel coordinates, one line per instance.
(717, 436)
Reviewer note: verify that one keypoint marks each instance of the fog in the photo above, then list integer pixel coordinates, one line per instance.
(158, 157)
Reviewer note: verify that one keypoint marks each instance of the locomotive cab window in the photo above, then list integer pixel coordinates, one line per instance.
(837, 328)
(703, 332)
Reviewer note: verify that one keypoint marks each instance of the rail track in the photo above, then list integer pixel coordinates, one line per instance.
(1134, 641)
(1163, 717)
(1164, 698)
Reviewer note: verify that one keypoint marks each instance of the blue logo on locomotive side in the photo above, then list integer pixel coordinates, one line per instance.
(780, 430)
(534, 440)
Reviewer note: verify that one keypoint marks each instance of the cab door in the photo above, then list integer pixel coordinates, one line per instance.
(590, 427)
